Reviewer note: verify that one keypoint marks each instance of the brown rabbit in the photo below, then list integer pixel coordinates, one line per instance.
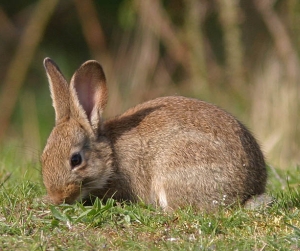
(170, 152)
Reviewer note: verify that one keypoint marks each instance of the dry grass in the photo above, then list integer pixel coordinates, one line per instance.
(203, 49)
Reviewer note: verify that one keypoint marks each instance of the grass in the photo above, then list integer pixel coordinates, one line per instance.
(26, 223)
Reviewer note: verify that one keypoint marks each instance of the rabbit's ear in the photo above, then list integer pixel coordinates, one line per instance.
(59, 90)
(89, 93)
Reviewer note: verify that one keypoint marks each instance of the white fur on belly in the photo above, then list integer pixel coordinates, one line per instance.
(162, 198)
(158, 194)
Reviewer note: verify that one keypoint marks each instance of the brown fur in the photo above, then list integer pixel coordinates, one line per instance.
(170, 151)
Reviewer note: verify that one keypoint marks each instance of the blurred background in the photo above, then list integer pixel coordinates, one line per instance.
(242, 55)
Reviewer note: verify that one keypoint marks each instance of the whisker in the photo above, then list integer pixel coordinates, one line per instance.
(91, 187)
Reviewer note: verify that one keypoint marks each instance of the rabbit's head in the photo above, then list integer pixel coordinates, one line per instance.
(75, 159)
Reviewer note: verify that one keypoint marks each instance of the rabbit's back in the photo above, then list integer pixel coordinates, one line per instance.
(175, 151)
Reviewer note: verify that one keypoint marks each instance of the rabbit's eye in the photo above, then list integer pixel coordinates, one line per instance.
(76, 160)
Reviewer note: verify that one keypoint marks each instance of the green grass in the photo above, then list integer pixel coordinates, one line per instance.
(26, 223)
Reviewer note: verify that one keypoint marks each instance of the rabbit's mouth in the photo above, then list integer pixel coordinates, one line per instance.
(88, 185)
(58, 196)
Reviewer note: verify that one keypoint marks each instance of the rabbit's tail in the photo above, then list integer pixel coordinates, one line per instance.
(258, 201)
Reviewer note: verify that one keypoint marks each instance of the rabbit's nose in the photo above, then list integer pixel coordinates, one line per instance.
(55, 196)
(56, 200)
(68, 193)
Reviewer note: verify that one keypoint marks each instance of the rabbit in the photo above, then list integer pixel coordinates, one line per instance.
(170, 152)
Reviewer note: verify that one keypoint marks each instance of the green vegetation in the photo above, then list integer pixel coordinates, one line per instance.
(27, 223)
